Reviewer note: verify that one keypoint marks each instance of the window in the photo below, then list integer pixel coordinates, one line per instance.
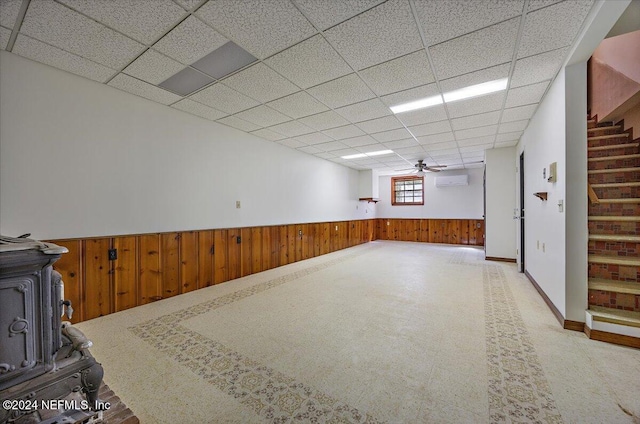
(407, 190)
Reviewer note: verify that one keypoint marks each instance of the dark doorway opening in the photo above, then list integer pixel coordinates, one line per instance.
(522, 268)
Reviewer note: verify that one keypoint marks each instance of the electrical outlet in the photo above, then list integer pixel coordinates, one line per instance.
(336, 228)
(113, 254)
(300, 233)
(237, 204)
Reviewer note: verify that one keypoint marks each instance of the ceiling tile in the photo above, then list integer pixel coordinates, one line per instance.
(508, 137)
(331, 146)
(392, 135)
(189, 4)
(292, 129)
(363, 140)
(377, 35)
(5, 34)
(325, 155)
(298, 105)
(433, 147)
(186, 82)
(538, 68)
(341, 133)
(324, 120)
(314, 138)
(506, 144)
(476, 140)
(342, 91)
(310, 63)
(518, 113)
(399, 144)
(261, 83)
(144, 21)
(432, 128)
(263, 116)
(224, 60)
(489, 118)
(423, 116)
(345, 152)
(481, 49)
(53, 56)
(409, 150)
(153, 67)
(324, 14)
(198, 109)
(267, 134)
(476, 105)
(445, 154)
(476, 149)
(477, 77)
(526, 95)
(513, 126)
(310, 149)
(364, 111)
(262, 27)
(471, 155)
(399, 74)
(58, 25)
(476, 132)
(9, 13)
(190, 41)
(380, 124)
(538, 4)
(291, 142)
(411, 95)
(223, 98)
(235, 122)
(444, 20)
(142, 89)
(436, 138)
(553, 27)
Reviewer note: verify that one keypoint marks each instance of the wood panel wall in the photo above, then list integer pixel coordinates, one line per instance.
(151, 267)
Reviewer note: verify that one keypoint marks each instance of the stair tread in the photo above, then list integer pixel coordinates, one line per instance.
(621, 200)
(630, 287)
(616, 260)
(616, 316)
(615, 237)
(611, 185)
(631, 156)
(613, 218)
(609, 136)
(613, 146)
(607, 170)
(605, 128)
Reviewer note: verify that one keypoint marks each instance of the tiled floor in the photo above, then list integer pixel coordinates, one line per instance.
(384, 332)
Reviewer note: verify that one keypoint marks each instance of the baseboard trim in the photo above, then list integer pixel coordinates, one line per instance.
(493, 258)
(546, 299)
(605, 336)
(574, 325)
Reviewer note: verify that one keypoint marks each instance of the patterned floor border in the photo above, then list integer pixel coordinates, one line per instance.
(518, 389)
(270, 394)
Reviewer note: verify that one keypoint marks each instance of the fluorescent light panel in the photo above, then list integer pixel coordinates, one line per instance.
(364, 155)
(453, 96)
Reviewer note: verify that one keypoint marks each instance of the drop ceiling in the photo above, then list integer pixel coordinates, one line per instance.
(317, 76)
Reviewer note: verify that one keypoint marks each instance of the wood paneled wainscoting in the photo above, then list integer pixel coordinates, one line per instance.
(150, 267)
(451, 231)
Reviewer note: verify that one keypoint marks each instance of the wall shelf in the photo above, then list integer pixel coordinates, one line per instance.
(542, 195)
(369, 199)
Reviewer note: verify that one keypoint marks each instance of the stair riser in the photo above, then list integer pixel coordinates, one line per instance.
(596, 132)
(614, 209)
(608, 141)
(607, 299)
(614, 272)
(609, 227)
(604, 248)
(632, 150)
(629, 162)
(614, 177)
(618, 192)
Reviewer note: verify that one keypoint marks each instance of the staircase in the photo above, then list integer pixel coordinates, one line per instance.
(614, 235)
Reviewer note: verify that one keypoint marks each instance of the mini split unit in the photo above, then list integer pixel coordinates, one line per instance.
(452, 180)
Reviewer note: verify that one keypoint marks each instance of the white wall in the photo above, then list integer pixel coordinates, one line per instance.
(544, 142)
(80, 159)
(461, 202)
(500, 227)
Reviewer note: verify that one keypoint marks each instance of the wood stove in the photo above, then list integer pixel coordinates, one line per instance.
(47, 374)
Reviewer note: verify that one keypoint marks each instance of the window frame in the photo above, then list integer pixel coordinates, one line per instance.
(394, 202)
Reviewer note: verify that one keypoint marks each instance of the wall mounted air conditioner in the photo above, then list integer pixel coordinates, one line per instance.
(452, 180)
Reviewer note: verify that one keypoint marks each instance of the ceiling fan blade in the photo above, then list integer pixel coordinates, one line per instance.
(432, 169)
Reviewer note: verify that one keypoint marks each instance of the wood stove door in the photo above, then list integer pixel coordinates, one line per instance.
(19, 332)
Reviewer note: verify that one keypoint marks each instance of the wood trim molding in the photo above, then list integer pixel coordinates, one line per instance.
(574, 325)
(546, 299)
(493, 258)
(605, 336)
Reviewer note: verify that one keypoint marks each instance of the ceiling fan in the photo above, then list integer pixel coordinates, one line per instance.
(420, 167)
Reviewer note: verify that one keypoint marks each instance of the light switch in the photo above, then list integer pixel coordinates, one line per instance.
(237, 204)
